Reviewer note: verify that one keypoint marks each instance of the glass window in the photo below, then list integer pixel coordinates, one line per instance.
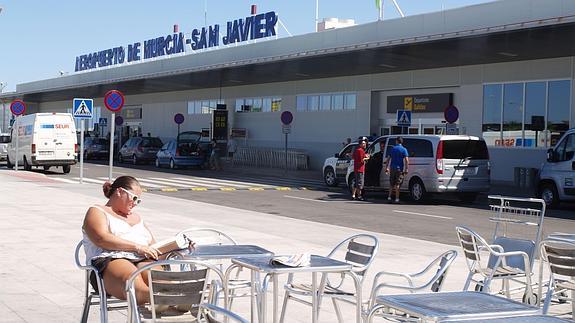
(312, 103)
(276, 104)
(566, 149)
(267, 105)
(492, 95)
(350, 101)
(205, 107)
(346, 152)
(257, 105)
(337, 102)
(301, 103)
(558, 107)
(191, 107)
(534, 114)
(4, 139)
(417, 147)
(325, 102)
(512, 109)
(239, 104)
(465, 149)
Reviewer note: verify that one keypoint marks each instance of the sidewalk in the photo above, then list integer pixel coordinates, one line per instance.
(42, 219)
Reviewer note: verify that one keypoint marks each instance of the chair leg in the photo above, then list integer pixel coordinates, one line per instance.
(468, 281)
(337, 311)
(284, 306)
(103, 308)
(86, 310)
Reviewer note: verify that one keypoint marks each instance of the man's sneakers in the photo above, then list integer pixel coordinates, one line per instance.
(389, 200)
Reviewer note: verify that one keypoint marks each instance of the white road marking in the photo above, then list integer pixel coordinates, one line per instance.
(91, 180)
(303, 198)
(216, 181)
(423, 214)
(65, 180)
(142, 181)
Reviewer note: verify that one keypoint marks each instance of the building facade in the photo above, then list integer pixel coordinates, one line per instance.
(507, 66)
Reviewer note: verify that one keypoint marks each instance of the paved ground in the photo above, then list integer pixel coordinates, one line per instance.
(41, 220)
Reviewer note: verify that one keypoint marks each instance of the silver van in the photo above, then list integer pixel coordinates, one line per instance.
(437, 164)
(557, 175)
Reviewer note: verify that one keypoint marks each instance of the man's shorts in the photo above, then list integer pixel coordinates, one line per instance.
(359, 179)
(396, 177)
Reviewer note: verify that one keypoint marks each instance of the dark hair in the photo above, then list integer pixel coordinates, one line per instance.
(399, 140)
(126, 182)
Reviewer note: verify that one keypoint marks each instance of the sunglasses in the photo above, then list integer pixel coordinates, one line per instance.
(132, 196)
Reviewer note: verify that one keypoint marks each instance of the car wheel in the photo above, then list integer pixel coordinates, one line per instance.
(27, 166)
(173, 164)
(417, 190)
(66, 169)
(120, 158)
(329, 177)
(468, 197)
(134, 159)
(158, 163)
(46, 168)
(9, 163)
(548, 193)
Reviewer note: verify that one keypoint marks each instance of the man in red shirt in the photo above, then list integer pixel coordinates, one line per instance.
(359, 158)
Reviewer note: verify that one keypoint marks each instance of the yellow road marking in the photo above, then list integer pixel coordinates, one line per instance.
(256, 189)
(199, 189)
(227, 189)
(169, 189)
(283, 188)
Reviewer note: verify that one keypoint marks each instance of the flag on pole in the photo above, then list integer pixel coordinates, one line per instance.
(378, 4)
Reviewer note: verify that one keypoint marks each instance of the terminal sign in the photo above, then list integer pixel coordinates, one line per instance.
(235, 31)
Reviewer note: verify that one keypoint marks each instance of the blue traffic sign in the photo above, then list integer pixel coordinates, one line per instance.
(286, 117)
(103, 122)
(83, 108)
(404, 118)
(451, 114)
(179, 118)
(18, 107)
(114, 100)
(119, 120)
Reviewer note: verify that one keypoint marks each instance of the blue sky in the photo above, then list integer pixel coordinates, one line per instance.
(40, 38)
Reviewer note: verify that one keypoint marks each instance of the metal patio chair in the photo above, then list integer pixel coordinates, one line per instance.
(177, 288)
(413, 282)
(210, 236)
(94, 297)
(560, 258)
(210, 313)
(358, 250)
(498, 264)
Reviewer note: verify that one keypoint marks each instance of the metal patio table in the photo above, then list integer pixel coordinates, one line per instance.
(318, 264)
(220, 252)
(517, 319)
(445, 306)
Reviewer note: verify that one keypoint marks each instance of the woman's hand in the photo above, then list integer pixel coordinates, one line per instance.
(191, 245)
(147, 251)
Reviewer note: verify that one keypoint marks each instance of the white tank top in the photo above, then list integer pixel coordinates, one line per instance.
(137, 233)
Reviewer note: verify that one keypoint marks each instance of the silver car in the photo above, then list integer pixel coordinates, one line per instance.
(557, 175)
(437, 164)
(4, 140)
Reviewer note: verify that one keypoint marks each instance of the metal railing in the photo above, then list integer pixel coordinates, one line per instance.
(271, 158)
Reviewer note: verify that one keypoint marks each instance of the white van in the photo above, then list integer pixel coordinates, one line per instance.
(44, 139)
(557, 175)
(437, 164)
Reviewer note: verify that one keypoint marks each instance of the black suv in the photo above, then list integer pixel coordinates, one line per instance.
(140, 149)
(96, 148)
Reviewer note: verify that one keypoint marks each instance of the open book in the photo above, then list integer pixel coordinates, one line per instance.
(297, 260)
(177, 242)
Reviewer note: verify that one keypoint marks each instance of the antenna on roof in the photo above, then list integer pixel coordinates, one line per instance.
(380, 6)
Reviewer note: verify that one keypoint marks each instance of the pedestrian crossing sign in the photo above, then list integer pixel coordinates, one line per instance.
(83, 108)
(403, 118)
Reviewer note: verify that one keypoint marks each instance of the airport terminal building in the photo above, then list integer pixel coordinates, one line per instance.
(508, 67)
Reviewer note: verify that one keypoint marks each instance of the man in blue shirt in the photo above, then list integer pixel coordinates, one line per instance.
(397, 162)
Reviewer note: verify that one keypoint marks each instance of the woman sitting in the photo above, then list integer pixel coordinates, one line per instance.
(116, 239)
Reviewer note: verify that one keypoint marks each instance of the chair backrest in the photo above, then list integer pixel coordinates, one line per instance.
(210, 311)
(184, 285)
(470, 242)
(208, 236)
(560, 255)
(360, 251)
(444, 262)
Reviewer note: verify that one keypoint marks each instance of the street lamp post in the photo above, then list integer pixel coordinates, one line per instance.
(2, 86)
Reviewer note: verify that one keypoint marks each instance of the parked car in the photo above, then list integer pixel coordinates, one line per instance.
(182, 154)
(4, 140)
(437, 164)
(557, 175)
(140, 149)
(96, 148)
(335, 168)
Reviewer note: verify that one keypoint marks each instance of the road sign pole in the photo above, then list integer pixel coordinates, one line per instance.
(112, 128)
(286, 163)
(81, 151)
(17, 123)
